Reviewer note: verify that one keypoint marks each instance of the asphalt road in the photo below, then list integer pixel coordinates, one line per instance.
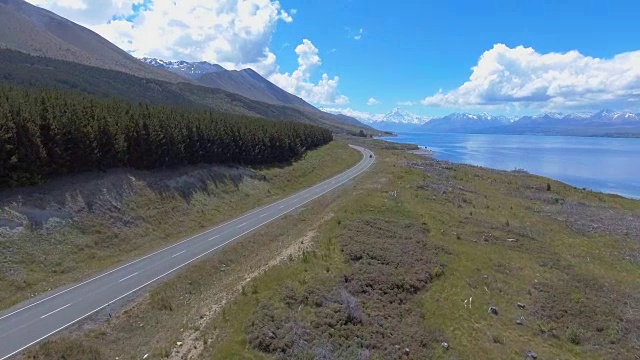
(38, 318)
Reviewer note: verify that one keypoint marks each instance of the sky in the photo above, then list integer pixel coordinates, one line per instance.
(366, 57)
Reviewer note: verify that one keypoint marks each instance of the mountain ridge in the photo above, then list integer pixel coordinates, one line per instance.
(36, 31)
(191, 70)
(598, 123)
(245, 82)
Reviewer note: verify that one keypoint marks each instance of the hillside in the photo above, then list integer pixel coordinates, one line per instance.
(250, 84)
(36, 31)
(38, 72)
(246, 82)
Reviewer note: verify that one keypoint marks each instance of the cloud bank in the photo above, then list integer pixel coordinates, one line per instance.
(523, 77)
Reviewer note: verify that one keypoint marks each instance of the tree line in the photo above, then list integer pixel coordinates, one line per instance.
(46, 133)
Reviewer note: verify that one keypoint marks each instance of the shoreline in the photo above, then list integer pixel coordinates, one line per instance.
(423, 150)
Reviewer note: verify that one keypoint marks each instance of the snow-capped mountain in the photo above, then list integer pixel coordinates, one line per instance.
(610, 116)
(604, 122)
(549, 115)
(191, 70)
(396, 120)
(399, 116)
(601, 118)
(465, 122)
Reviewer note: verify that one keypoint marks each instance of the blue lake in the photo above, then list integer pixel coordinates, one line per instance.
(609, 165)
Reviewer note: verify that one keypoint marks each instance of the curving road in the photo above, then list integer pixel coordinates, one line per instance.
(36, 319)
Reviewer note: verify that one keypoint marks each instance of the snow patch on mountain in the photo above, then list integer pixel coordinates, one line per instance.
(191, 70)
(399, 116)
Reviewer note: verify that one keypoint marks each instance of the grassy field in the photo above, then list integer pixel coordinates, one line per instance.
(144, 215)
(412, 255)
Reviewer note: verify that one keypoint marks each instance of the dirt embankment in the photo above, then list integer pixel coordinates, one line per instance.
(72, 198)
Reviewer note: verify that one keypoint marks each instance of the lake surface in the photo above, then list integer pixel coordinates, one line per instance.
(609, 165)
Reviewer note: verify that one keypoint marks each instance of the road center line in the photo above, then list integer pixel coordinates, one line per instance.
(54, 311)
(243, 224)
(181, 252)
(263, 215)
(132, 275)
(348, 175)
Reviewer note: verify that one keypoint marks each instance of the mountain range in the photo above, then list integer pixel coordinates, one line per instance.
(602, 123)
(41, 49)
(605, 122)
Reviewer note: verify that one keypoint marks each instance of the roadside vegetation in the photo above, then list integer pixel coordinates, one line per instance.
(417, 258)
(77, 225)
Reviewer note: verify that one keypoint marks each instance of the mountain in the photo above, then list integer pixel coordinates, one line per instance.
(398, 116)
(191, 70)
(249, 83)
(603, 123)
(30, 71)
(89, 63)
(396, 121)
(351, 121)
(464, 123)
(36, 31)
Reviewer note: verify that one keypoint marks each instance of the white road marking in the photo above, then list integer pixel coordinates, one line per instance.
(132, 275)
(263, 215)
(149, 255)
(54, 311)
(243, 224)
(177, 267)
(181, 252)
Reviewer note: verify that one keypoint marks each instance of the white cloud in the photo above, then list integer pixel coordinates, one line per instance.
(360, 115)
(358, 36)
(88, 12)
(372, 101)
(406, 103)
(235, 34)
(299, 82)
(285, 16)
(554, 81)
